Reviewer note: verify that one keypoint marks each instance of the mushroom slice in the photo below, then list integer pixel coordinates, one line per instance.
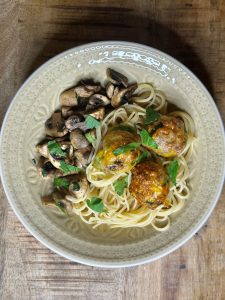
(67, 111)
(78, 140)
(82, 155)
(97, 113)
(123, 95)
(82, 126)
(99, 100)
(83, 92)
(78, 186)
(90, 85)
(61, 202)
(116, 77)
(109, 90)
(55, 126)
(68, 98)
(71, 122)
(46, 169)
(43, 149)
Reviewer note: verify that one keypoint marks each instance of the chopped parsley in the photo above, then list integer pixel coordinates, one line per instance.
(120, 185)
(90, 137)
(67, 168)
(96, 204)
(147, 140)
(151, 116)
(172, 169)
(61, 182)
(55, 150)
(91, 122)
(124, 149)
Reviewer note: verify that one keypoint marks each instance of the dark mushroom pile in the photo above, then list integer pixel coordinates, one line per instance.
(71, 134)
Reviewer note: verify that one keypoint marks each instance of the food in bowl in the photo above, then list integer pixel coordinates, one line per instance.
(115, 155)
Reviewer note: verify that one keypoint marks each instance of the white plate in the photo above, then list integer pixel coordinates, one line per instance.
(23, 127)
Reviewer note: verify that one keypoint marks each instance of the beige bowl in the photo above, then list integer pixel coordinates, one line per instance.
(23, 127)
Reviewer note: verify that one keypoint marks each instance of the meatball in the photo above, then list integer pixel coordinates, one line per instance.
(149, 184)
(168, 132)
(122, 162)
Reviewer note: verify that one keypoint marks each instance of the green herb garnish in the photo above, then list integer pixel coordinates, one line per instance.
(147, 140)
(90, 137)
(172, 169)
(55, 150)
(120, 185)
(142, 156)
(61, 182)
(124, 149)
(67, 168)
(96, 204)
(91, 122)
(76, 186)
(151, 116)
(125, 128)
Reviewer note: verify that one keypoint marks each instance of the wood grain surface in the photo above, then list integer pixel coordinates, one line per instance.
(31, 32)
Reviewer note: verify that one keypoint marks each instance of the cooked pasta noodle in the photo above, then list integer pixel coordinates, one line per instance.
(125, 211)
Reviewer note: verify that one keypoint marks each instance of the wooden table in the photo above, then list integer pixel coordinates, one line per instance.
(32, 31)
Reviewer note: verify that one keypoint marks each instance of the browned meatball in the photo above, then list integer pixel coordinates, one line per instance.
(113, 140)
(168, 132)
(149, 184)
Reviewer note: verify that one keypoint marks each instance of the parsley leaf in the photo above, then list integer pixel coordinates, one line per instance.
(172, 169)
(67, 168)
(120, 185)
(147, 140)
(125, 128)
(90, 137)
(151, 116)
(128, 147)
(91, 122)
(61, 182)
(96, 204)
(142, 156)
(55, 150)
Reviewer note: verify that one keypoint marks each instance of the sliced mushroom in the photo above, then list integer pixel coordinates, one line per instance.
(116, 77)
(46, 169)
(78, 140)
(123, 95)
(71, 122)
(83, 92)
(78, 186)
(43, 149)
(82, 126)
(67, 111)
(97, 113)
(90, 85)
(68, 98)
(109, 90)
(83, 155)
(55, 126)
(61, 202)
(98, 100)
(48, 200)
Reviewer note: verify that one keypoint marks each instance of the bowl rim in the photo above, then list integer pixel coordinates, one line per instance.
(113, 264)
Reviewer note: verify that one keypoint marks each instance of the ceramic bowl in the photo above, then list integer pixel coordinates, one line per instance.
(23, 128)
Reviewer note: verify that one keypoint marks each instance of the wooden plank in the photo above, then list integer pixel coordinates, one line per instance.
(32, 32)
